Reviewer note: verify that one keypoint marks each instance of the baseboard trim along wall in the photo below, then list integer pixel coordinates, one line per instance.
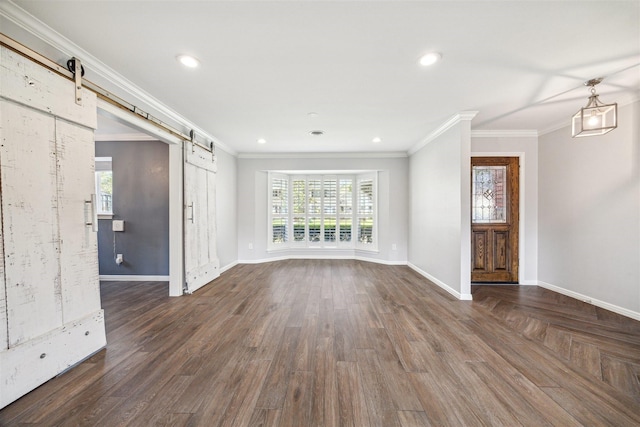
(286, 257)
(133, 278)
(458, 295)
(228, 266)
(602, 304)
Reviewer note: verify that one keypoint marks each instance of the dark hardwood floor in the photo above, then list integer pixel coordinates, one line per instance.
(345, 343)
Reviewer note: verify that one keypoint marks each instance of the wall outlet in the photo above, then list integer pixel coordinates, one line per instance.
(250, 246)
(119, 259)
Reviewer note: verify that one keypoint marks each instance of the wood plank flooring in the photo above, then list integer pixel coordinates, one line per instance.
(602, 344)
(344, 343)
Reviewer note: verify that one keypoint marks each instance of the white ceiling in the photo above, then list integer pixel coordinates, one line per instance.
(265, 65)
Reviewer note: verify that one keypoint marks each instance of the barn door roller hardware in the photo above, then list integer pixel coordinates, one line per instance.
(75, 72)
(75, 66)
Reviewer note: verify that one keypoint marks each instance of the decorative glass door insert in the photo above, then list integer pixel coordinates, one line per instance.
(489, 195)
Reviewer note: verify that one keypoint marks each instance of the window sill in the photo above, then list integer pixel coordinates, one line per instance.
(105, 216)
(320, 249)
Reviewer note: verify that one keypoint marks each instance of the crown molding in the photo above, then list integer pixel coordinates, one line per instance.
(521, 133)
(455, 119)
(42, 31)
(371, 155)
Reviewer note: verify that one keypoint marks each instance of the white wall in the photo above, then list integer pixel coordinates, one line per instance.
(527, 149)
(589, 221)
(439, 245)
(226, 209)
(392, 204)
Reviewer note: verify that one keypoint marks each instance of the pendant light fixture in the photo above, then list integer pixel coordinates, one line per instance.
(596, 118)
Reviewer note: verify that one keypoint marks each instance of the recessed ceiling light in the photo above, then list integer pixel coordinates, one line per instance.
(316, 132)
(430, 58)
(262, 141)
(188, 61)
(312, 114)
(376, 139)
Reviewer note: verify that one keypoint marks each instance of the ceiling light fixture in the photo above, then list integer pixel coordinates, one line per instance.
(430, 58)
(316, 132)
(188, 61)
(262, 141)
(596, 118)
(376, 140)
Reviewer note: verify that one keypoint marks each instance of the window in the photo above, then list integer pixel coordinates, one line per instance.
(104, 186)
(280, 210)
(366, 201)
(322, 211)
(345, 208)
(299, 209)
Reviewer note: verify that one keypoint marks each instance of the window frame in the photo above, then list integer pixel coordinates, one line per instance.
(373, 245)
(326, 212)
(102, 165)
(284, 215)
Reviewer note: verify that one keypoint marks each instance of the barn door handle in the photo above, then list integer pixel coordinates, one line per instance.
(93, 213)
(191, 207)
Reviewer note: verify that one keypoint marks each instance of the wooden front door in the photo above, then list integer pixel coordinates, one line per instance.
(494, 219)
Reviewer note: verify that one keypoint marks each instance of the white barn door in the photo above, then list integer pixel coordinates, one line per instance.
(50, 314)
(200, 251)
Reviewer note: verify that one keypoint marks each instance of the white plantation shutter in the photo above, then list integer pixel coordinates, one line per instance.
(314, 200)
(345, 210)
(279, 209)
(299, 209)
(330, 211)
(366, 211)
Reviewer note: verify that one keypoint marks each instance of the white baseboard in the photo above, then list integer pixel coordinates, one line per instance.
(286, 257)
(602, 304)
(379, 261)
(228, 266)
(458, 295)
(133, 278)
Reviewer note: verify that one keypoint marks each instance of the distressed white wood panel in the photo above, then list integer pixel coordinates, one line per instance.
(4, 331)
(190, 214)
(201, 263)
(202, 217)
(200, 157)
(30, 222)
(75, 153)
(31, 187)
(28, 83)
(24, 368)
(212, 249)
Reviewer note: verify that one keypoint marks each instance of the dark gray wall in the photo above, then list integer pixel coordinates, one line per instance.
(141, 199)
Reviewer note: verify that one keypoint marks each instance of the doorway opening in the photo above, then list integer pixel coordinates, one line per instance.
(133, 230)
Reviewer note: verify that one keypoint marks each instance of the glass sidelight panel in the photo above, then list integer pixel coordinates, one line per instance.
(489, 195)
